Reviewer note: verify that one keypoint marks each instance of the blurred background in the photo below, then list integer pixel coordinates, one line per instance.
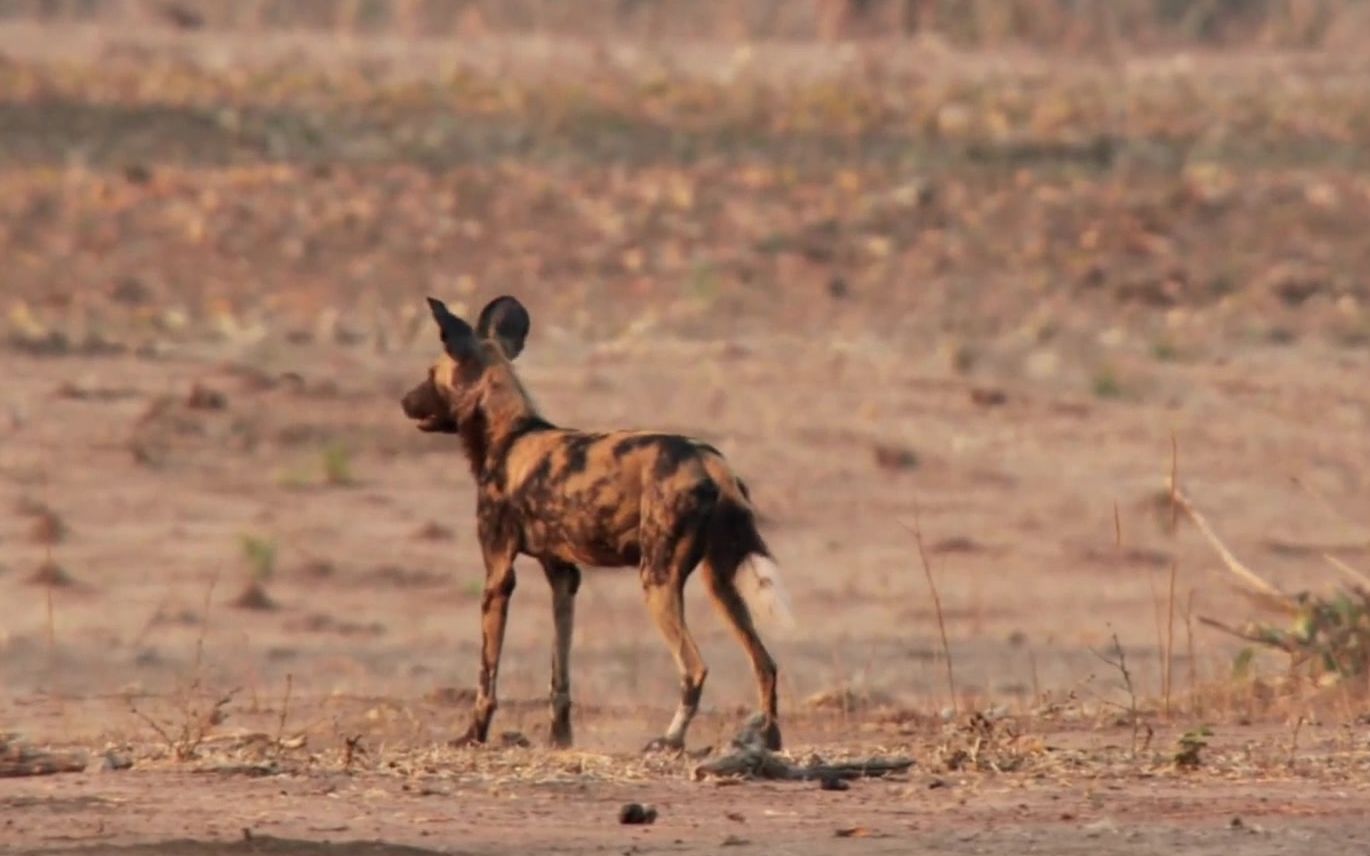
(997, 266)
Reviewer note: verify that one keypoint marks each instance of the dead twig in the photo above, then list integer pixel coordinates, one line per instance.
(1294, 741)
(1121, 665)
(285, 711)
(18, 758)
(1356, 576)
(1245, 635)
(1326, 502)
(352, 749)
(1233, 564)
(751, 759)
(1189, 652)
(917, 531)
(1170, 638)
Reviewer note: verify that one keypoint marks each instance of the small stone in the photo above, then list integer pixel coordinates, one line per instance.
(893, 457)
(833, 783)
(434, 531)
(204, 398)
(113, 761)
(988, 397)
(1100, 827)
(637, 814)
(50, 573)
(254, 596)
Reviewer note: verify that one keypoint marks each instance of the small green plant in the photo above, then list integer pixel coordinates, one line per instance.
(1241, 664)
(703, 281)
(964, 357)
(1107, 385)
(1188, 747)
(294, 478)
(337, 465)
(1165, 351)
(260, 554)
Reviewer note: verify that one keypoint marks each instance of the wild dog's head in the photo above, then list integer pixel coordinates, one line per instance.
(469, 363)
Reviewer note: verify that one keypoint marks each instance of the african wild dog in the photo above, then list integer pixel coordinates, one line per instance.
(662, 502)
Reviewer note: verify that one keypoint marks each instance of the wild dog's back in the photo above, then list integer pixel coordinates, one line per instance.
(585, 497)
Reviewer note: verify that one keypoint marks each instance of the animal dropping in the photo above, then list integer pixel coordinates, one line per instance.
(665, 503)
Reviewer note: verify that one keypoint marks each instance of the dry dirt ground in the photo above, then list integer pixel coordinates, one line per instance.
(205, 351)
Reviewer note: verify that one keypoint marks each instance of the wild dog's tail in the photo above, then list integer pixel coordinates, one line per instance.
(735, 541)
(765, 591)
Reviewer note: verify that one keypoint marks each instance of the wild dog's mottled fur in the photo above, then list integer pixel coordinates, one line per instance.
(662, 502)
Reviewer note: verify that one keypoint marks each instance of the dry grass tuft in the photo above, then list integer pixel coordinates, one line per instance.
(49, 573)
(254, 596)
(983, 742)
(47, 527)
(198, 716)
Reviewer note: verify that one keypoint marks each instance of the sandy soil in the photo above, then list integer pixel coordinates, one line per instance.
(375, 629)
(295, 814)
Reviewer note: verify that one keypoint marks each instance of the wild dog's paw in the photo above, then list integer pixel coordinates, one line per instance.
(474, 736)
(664, 745)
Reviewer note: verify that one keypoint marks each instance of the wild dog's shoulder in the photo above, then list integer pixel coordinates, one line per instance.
(553, 452)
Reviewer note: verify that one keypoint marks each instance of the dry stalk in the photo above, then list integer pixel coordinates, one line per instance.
(1327, 504)
(285, 711)
(52, 634)
(1157, 615)
(1294, 741)
(154, 725)
(352, 749)
(1169, 666)
(917, 530)
(1155, 603)
(1239, 634)
(204, 626)
(195, 725)
(1174, 482)
(1189, 651)
(1357, 576)
(195, 722)
(1233, 564)
(1133, 714)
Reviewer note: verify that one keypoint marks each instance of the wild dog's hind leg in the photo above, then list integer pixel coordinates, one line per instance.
(723, 587)
(494, 612)
(565, 580)
(673, 544)
(666, 602)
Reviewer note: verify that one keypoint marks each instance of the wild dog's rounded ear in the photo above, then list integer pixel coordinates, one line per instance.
(457, 336)
(506, 321)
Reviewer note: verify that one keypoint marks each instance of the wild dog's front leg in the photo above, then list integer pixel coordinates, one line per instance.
(565, 581)
(494, 610)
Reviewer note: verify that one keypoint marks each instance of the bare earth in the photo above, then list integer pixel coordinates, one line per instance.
(237, 330)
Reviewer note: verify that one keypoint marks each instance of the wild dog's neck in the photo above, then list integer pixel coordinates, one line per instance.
(502, 413)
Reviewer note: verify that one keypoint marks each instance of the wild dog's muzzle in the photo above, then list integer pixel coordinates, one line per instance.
(424, 405)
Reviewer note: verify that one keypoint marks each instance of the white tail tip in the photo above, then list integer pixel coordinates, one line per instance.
(765, 592)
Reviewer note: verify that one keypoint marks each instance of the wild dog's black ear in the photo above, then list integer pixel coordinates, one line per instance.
(458, 338)
(506, 321)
